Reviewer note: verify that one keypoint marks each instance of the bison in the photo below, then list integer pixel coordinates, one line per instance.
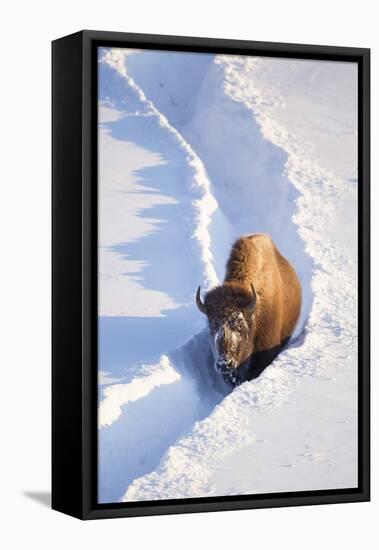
(252, 315)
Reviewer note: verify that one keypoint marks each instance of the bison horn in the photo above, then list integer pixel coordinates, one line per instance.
(199, 303)
(253, 302)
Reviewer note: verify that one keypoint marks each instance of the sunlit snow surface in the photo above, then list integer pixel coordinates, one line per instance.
(194, 151)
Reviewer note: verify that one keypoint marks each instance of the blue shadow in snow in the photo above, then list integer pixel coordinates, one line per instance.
(144, 431)
(135, 443)
(127, 341)
(164, 252)
(164, 249)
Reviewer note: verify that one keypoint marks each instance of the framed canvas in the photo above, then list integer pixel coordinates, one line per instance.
(210, 275)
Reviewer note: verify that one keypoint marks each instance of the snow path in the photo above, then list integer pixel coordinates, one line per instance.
(154, 190)
(273, 181)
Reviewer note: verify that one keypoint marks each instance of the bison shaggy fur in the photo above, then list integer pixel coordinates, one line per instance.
(254, 312)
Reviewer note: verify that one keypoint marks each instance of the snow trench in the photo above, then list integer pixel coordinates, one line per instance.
(164, 421)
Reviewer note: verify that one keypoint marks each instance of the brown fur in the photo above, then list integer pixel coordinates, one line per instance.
(255, 260)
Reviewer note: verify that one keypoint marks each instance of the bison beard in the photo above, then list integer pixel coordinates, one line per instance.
(252, 315)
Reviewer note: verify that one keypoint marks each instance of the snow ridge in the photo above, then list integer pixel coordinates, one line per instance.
(333, 315)
(164, 384)
(118, 395)
(186, 468)
(205, 204)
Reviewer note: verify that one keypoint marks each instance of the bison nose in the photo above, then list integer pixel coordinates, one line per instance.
(224, 366)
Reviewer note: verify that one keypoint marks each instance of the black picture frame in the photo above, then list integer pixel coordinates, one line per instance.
(74, 272)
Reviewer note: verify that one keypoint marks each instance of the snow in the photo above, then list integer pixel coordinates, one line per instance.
(195, 150)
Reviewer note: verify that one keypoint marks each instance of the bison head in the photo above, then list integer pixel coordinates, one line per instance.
(229, 309)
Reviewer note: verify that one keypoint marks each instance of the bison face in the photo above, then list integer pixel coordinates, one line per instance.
(230, 319)
(230, 341)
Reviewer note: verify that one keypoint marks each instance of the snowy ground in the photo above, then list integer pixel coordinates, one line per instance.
(195, 150)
